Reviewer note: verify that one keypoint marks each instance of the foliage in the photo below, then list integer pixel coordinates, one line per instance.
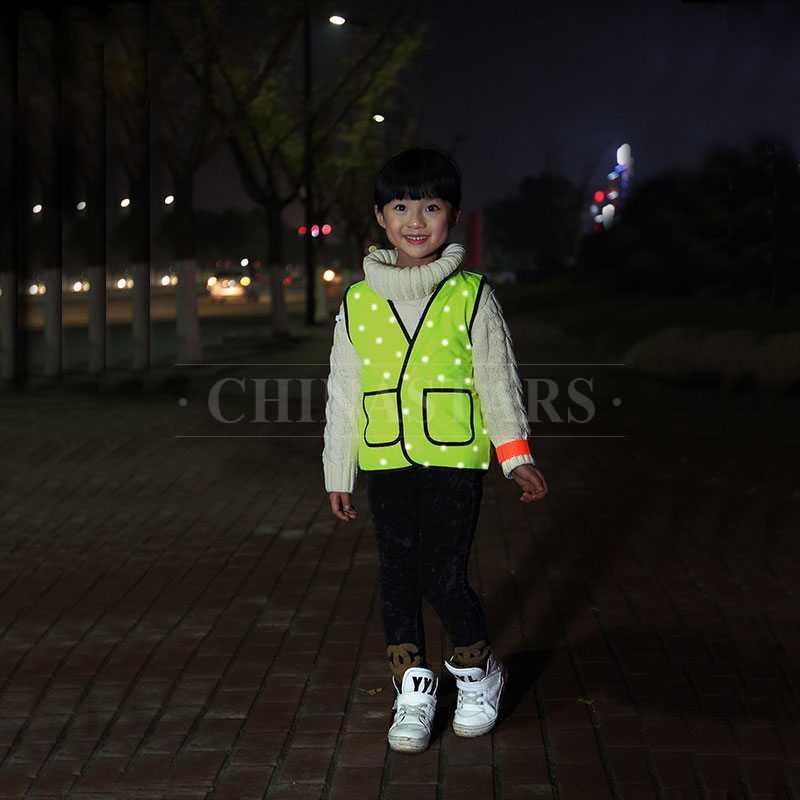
(536, 227)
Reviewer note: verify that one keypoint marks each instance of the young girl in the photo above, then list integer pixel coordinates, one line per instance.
(423, 381)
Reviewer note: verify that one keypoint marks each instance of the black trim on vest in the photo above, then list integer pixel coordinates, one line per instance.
(475, 307)
(405, 364)
(471, 416)
(399, 321)
(364, 396)
(346, 315)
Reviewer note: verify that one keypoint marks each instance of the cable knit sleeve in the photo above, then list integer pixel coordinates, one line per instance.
(498, 384)
(340, 452)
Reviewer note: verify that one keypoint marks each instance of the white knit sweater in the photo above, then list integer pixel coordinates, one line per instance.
(495, 368)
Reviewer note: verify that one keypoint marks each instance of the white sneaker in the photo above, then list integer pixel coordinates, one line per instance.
(479, 695)
(414, 707)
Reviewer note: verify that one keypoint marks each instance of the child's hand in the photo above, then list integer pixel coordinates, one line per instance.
(342, 507)
(531, 481)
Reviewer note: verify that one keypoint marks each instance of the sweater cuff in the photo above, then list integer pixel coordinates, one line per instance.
(510, 464)
(340, 477)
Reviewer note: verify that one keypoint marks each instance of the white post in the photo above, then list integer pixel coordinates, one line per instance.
(8, 324)
(187, 325)
(97, 318)
(52, 322)
(140, 311)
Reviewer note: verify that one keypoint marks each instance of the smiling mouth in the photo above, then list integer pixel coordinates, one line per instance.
(416, 239)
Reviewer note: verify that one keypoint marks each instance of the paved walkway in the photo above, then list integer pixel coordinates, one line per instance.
(183, 617)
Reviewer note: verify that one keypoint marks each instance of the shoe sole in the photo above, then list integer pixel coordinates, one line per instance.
(406, 745)
(469, 732)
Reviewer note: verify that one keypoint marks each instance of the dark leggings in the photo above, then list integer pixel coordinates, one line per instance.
(425, 520)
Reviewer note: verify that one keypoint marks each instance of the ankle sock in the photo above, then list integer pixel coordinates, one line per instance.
(402, 657)
(472, 655)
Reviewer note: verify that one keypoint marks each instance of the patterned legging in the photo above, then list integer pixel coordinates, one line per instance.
(425, 520)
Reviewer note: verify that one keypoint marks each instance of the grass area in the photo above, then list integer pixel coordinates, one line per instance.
(616, 322)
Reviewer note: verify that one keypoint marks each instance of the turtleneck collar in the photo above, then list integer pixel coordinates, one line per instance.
(409, 283)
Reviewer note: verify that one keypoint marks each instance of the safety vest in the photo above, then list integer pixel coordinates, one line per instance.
(419, 404)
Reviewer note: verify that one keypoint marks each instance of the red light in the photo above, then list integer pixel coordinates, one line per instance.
(315, 230)
(326, 229)
(598, 197)
(301, 231)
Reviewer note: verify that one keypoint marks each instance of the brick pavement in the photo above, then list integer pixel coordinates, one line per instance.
(183, 618)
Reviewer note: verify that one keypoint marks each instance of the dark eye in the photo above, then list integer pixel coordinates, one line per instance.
(433, 206)
(400, 207)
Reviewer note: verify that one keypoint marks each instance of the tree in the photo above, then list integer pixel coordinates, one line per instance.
(254, 85)
(536, 226)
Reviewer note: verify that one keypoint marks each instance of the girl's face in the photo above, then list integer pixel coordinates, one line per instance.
(417, 228)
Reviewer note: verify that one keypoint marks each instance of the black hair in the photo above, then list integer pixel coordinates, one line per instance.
(418, 173)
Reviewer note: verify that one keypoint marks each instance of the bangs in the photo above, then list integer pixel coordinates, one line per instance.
(417, 174)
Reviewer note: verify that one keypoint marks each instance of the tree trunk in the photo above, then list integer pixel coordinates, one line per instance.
(186, 319)
(279, 312)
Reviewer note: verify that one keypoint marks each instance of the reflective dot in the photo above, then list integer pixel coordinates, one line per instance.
(398, 353)
(443, 447)
(405, 377)
(485, 465)
(474, 448)
(391, 319)
(457, 361)
(465, 292)
(383, 461)
(462, 327)
(484, 430)
(378, 340)
(361, 327)
(387, 375)
(424, 359)
(460, 465)
(366, 361)
(374, 307)
(429, 323)
(467, 380)
(405, 411)
(444, 342)
(469, 347)
(447, 309)
(426, 463)
(452, 281)
(357, 295)
(409, 446)
(441, 377)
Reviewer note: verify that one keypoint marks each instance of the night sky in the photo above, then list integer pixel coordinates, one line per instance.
(512, 85)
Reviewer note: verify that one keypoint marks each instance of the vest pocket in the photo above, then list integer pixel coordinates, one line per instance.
(447, 416)
(382, 426)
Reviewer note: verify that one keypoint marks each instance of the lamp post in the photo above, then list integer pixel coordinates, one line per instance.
(308, 155)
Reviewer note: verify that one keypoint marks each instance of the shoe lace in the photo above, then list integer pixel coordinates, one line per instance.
(420, 711)
(470, 697)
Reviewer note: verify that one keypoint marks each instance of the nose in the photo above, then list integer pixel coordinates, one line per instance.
(416, 219)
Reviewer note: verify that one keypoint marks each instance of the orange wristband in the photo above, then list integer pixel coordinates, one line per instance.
(516, 447)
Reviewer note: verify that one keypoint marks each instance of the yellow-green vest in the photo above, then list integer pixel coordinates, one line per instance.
(419, 404)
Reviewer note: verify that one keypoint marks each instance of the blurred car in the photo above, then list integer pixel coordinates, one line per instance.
(233, 284)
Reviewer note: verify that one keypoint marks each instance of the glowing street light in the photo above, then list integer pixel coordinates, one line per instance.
(337, 20)
(125, 202)
(81, 205)
(38, 208)
(244, 262)
(169, 199)
(378, 117)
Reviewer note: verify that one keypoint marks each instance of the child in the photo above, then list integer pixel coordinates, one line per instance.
(422, 380)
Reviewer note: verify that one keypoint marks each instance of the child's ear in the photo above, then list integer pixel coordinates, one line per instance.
(379, 216)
